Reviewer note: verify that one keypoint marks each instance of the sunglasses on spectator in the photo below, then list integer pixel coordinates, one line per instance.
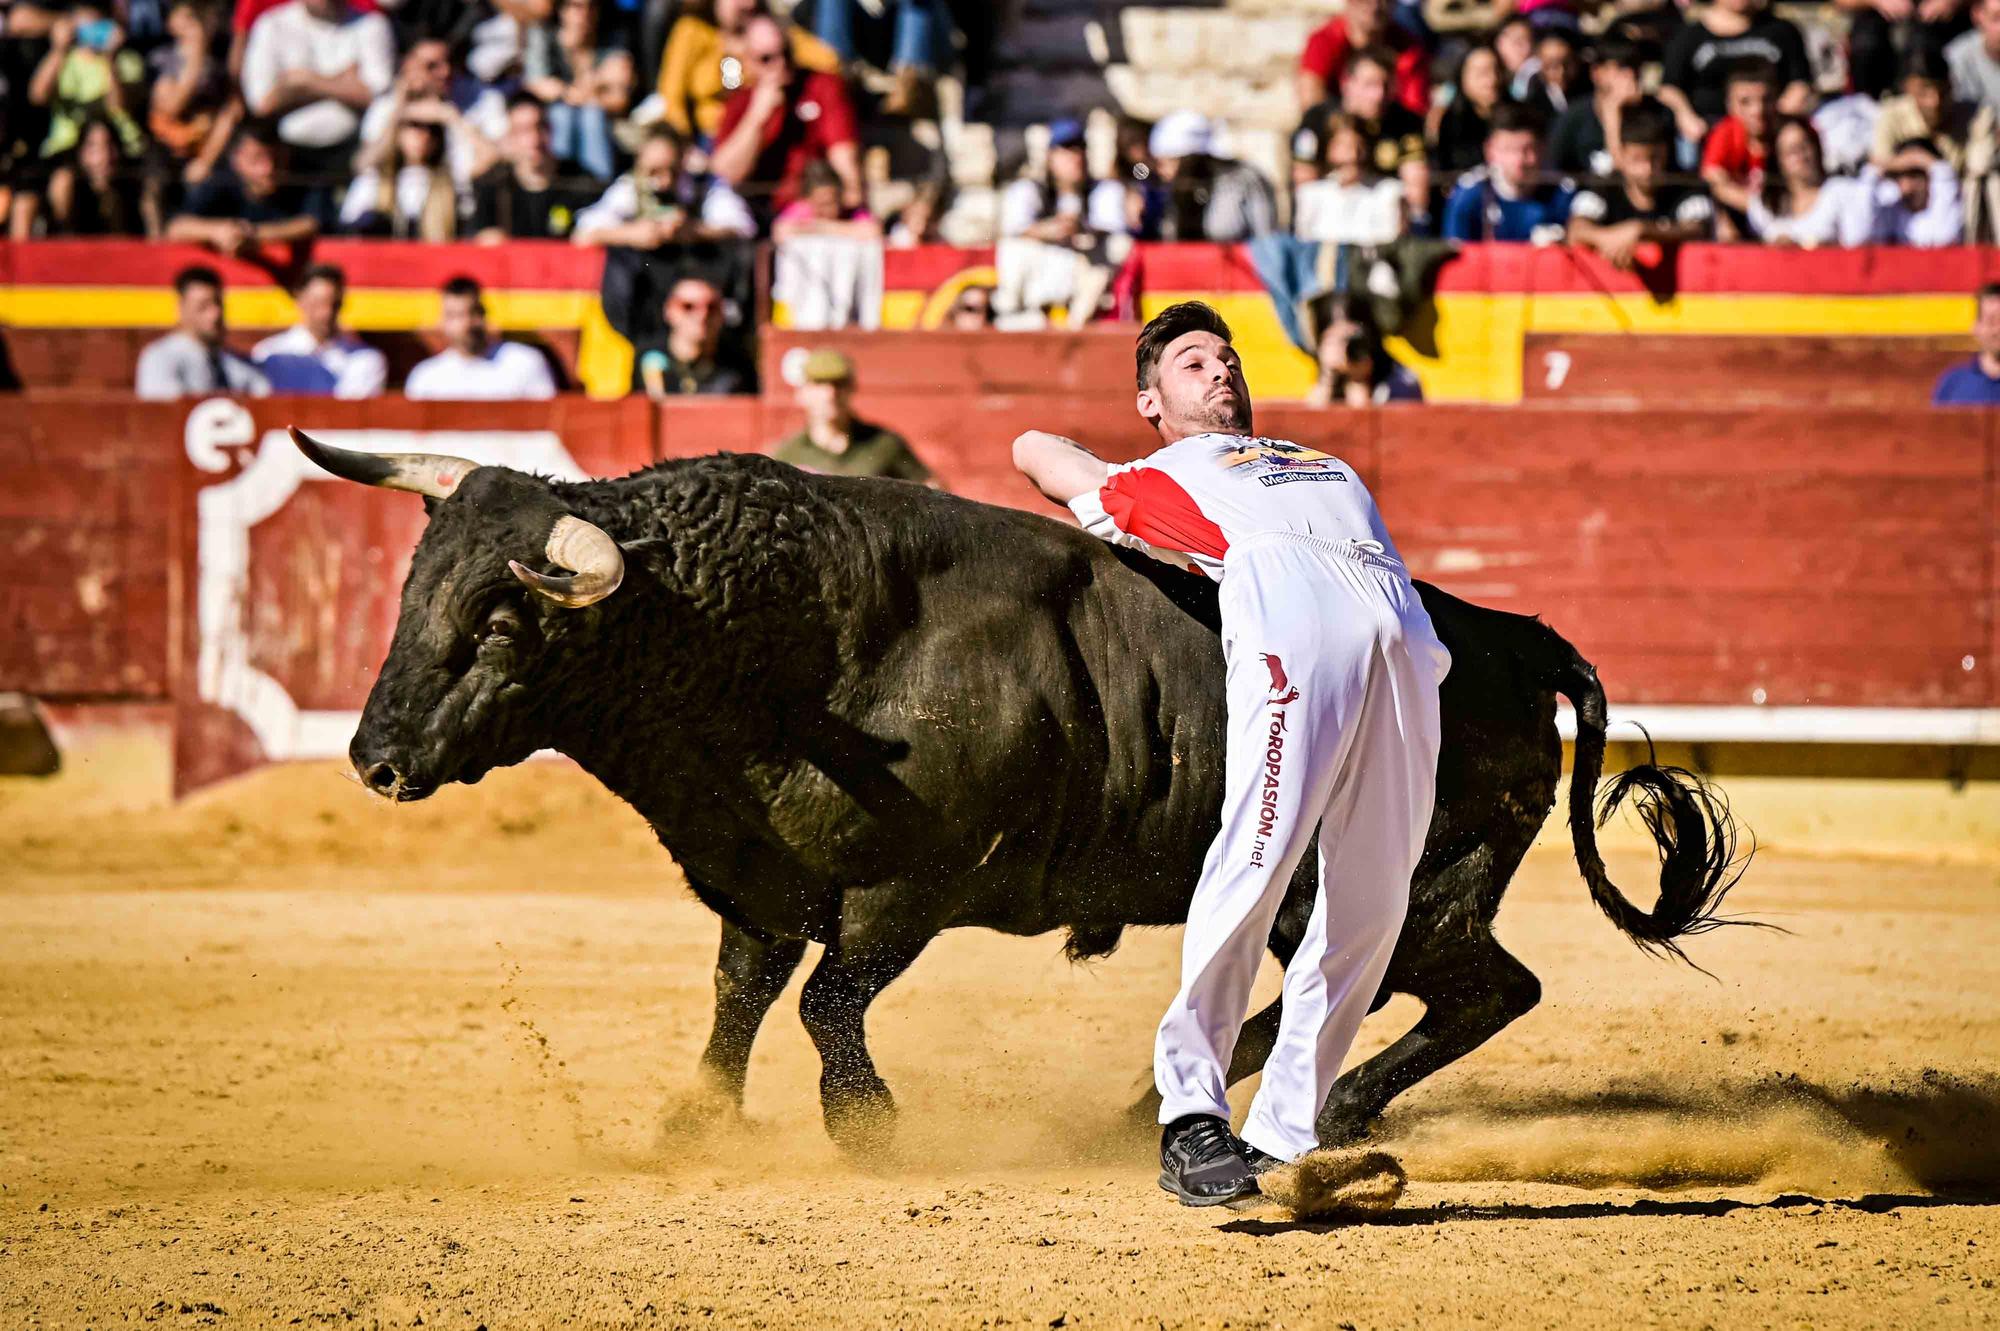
(686, 306)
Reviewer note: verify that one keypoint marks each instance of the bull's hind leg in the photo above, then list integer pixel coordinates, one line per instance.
(751, 970)
(1469, 995)
(855, 1100)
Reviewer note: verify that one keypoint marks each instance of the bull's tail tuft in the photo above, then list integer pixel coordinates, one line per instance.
(1688, 818)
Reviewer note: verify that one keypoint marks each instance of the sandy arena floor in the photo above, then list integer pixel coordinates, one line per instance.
(285, 1056)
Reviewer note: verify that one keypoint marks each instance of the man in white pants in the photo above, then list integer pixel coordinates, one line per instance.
(1332, 678)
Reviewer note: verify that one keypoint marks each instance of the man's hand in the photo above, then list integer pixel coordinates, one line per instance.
(1061, 468)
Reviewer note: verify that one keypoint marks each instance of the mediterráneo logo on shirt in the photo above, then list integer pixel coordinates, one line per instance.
(1278, 461)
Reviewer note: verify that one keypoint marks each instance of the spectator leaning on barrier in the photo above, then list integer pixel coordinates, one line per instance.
(782, 119)
(818, 210)
(1457, 130)
(1362, 24)
(1919, 200)
(522, 198)
(314, 66)
(658, 203)
(971, 311)
(1733, 159)
(1354, 368)
(406, 192)
(1585, 137)
(191, 361)
(1701, 53)
(1638, 205)
(689, 359)
(1506, 199)
(1063, 206)
(835, 440)
(1352, 204)
(315, 357)
(250, 204)
(1974, 58)
(706, 60)
(475, 366)
(1799, 204)
(1977, 382)
(428, 90)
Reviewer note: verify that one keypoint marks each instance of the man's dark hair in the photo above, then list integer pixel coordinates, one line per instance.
(1648, 123)
(662, 132)
(1379, 56)
(1926, 62)
(258, 131)
(323, 272)
(1987, 291)
(1619, 53)
(521, 99)
(464, 286)
(197, 275)
(1514, 117)
(1190, 316)
(1753, 70)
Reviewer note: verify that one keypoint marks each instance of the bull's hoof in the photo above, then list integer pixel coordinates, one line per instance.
(861, 1118)
(705, 1108)
(1340, 1126)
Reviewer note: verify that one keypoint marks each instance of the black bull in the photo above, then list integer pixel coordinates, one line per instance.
(860, 713)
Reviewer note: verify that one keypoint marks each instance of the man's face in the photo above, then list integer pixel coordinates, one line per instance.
(463, 323)
(1558, 62)
(826, 404)
(973, 310)
(1619, 84)
(427, 69)
(201, 313)
(527, 135)
(255, 166)
(1199, 388)
(1346, 150)
(327, 10)
(1066, 166)
(1751, 102)
(1642, 164)
(1986, 17)
(1365, 90)
(694, 313)
(1365, 19)
(1514, 156)
(657, 166)
(765, 51)
(1913, 181)
(1986, 326)
(319, 307)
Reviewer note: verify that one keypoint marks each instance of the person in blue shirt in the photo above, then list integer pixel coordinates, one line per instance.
(1977, 382)
(1504, 200)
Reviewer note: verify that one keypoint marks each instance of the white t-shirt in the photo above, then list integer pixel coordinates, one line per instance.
(1187, 503)
(295, 362)
(411, 192)
(1845, 214)
(289, 37)
(1942, 222)
(482, 109)
(1370, 213)
(508, 370)
(1103, 212)
(721, 208)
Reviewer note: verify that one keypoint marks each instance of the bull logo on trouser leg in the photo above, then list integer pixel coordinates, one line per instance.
(1282, 691)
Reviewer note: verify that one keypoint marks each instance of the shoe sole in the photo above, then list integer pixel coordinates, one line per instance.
(1168, 1185)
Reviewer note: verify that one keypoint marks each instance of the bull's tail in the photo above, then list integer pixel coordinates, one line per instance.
(1688, 818)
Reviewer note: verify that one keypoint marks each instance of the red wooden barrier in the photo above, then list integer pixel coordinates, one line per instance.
(1672, 370)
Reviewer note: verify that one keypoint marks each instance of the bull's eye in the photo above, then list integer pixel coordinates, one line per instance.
(502, 626)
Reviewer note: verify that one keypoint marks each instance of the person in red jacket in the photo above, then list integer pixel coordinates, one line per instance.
(780, 120)
(1364, 24)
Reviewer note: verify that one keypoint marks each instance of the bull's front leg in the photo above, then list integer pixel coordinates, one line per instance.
(858, 1108)
(751, 970)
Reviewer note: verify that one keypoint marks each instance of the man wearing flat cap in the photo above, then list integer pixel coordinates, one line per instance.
(835, 440)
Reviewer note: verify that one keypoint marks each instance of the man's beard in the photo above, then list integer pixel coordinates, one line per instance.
(1221, 414)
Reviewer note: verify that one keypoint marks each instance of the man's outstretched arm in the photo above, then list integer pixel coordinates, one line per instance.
(1061, 468)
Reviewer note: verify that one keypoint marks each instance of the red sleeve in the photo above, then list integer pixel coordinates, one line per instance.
(1326, 51)
(732, 113)
(836, 119)
(1147, 503)
(1726, 148)
(246, 14)
(1413, 79)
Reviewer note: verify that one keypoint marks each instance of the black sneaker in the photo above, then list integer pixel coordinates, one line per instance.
(1199, 1162)
(1260, 1162)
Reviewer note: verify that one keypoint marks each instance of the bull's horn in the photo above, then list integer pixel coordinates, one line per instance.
(433, 474)
(574, 544)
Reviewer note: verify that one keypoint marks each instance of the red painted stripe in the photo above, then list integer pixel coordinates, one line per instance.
(529, 265)
(928, 267)
(1151, 505)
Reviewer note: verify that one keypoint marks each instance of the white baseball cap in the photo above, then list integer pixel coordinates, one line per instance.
(1182, 134)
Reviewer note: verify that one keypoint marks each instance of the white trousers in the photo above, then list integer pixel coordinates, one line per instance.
(1333, 674)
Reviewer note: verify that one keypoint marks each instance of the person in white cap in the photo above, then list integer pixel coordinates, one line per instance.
(1332, 683)
(1209, 196)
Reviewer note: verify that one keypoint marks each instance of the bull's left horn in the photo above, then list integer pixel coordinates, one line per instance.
(574, 544)
(434, 474)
